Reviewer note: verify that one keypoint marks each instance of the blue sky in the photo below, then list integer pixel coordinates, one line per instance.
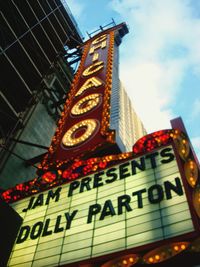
(159, 58)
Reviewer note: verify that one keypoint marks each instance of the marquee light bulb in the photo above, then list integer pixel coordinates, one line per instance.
(131, 259)
(151, 259)
(176, 248)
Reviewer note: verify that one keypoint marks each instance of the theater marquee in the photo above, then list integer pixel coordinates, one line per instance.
(129, 205)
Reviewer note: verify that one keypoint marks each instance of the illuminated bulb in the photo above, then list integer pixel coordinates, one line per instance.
(59, 172)
(183, 151)
(191, 165)
(150, 259)
(124, 262)
(176, 248)
(157, 257)
(131, 259)
(183, 247)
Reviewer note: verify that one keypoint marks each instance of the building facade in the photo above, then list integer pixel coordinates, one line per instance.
(124, 119)
(39, 41)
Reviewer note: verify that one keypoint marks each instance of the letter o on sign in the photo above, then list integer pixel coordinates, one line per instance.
(71, 138)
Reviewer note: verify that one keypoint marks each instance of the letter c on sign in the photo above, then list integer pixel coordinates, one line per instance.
(70, 138)
(93, 68)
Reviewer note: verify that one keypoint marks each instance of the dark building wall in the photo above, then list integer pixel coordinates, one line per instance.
(39, 129)
(33, 34)
(35, 39)
(10, 223)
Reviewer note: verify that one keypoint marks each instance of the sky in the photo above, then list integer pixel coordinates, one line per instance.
(159, 57)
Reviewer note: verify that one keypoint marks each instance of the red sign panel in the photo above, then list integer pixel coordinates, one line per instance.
(84, 125)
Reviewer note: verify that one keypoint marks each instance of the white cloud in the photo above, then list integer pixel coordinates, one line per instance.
(163, 43)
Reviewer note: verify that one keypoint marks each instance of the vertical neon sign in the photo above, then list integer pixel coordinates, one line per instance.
(84, 125)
